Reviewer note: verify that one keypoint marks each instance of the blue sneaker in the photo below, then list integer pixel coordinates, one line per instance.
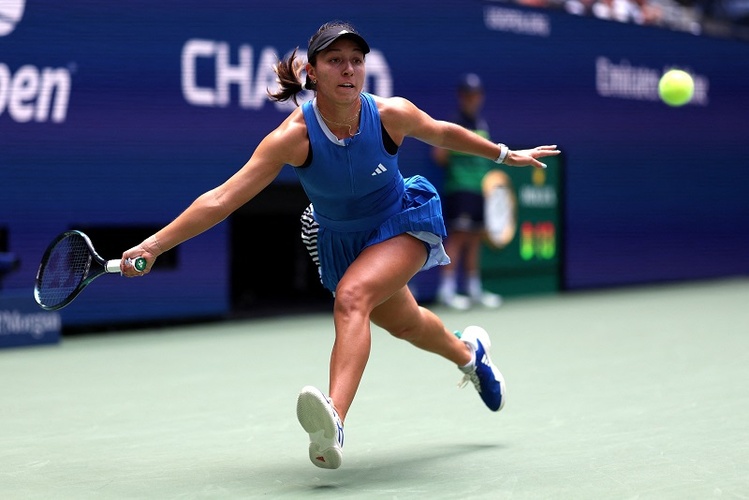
(319, 418)
(487, 379)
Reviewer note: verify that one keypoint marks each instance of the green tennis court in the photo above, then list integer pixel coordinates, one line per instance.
(627, 393)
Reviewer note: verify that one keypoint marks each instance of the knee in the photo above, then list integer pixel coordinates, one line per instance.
(351, 299)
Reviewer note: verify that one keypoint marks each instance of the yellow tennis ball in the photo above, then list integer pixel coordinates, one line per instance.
(676, 87)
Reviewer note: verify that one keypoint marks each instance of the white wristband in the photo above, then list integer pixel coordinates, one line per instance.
(503, 150)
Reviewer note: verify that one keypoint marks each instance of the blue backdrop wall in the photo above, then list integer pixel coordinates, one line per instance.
(120, 114)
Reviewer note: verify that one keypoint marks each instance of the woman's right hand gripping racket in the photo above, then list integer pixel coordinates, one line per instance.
(69, 265)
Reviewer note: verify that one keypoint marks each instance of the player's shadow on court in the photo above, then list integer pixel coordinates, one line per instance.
(391, 469)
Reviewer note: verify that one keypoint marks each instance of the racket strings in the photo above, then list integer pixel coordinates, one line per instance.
(64, 270)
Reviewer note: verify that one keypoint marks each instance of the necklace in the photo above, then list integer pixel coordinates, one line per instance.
(347, 123)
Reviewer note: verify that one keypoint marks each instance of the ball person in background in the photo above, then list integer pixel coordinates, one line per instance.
(463, 202)
(374, 231)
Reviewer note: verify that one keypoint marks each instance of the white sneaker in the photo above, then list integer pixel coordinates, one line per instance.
(488, 299)
(457, 302)
(319, 418)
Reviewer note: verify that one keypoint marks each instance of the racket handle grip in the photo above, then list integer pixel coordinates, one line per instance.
(113, 266)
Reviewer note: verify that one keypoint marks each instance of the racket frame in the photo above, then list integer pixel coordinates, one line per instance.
(97, 266)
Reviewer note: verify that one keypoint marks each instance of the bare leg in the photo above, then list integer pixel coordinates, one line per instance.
(403, 318)
(375, 288)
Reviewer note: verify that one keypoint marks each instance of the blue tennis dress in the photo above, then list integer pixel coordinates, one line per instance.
(360, 197)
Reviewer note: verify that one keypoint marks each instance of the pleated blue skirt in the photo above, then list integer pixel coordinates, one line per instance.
(421, 216)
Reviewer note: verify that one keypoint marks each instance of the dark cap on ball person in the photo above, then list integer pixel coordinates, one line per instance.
(470, 82)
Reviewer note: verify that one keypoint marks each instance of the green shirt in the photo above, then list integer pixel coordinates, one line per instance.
(465, 172)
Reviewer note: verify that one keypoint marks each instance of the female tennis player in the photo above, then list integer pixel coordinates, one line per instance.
(375, 230)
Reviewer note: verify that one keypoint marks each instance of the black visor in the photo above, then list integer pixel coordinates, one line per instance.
(330, 35)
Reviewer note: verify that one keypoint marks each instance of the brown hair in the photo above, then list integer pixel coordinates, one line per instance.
(289, 71)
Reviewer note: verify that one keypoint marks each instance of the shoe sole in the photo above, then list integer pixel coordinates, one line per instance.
(317, 419)
(481, 335)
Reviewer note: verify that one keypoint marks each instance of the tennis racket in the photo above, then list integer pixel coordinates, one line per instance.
(69, 265)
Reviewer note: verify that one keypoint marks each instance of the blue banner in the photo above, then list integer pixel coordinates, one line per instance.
(120, 114)
(23, 323)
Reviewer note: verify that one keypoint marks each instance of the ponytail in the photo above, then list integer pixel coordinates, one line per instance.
(289, 72)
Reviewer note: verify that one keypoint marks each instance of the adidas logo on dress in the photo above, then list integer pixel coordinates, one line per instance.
(380, 169)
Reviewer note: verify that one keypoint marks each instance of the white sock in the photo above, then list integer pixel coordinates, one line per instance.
(448, 285)
(475, 287)
(469, 366)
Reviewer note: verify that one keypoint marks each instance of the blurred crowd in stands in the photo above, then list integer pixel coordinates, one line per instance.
(721, 18)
